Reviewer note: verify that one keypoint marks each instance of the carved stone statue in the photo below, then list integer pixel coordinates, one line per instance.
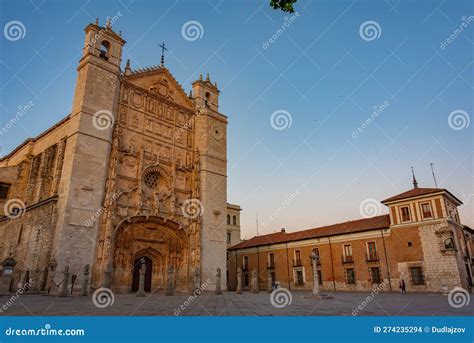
(254, 284)
(141, 281)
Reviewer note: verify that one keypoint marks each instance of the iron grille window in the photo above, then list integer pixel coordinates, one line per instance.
(417, 277)
(375, 273)
(350, 275)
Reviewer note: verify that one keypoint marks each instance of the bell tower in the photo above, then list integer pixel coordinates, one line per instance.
(90, 127)
(211, 142)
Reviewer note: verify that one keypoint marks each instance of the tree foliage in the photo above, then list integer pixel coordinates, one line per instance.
(284, 5)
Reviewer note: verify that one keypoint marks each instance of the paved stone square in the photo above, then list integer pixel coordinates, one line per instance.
(247, 304)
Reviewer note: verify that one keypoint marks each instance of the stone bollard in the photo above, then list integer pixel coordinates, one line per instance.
(269, 282)
(51, 275)
(238, 289)
(141, 281)
(170, 281)
(85, 281)
(218, 282)
(197, 281)
(254, 284)
(65, 285)
(108, 275)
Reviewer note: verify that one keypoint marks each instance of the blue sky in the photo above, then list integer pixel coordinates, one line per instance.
(320, 72)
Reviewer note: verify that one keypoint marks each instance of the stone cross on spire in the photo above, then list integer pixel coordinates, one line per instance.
(163, 49)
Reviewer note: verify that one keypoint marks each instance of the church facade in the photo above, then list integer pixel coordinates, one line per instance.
(137, 173)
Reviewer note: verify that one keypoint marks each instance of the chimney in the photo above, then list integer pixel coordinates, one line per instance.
(283, 230)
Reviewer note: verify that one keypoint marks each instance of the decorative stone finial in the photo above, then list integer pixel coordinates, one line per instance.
(97, 21)
(200, 77)
(207, 77)
(108, 24)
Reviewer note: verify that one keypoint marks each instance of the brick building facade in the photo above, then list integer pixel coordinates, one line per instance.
(420, 241)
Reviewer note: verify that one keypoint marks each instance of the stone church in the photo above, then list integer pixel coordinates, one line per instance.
(136, 173)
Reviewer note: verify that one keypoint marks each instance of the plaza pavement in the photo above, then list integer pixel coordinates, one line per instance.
(231, 304)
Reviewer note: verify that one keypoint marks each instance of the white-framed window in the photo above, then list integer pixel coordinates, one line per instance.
(426, 210)
(405, 214)
(371, 251)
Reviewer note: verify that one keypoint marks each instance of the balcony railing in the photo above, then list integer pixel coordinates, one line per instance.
(372, 257)
(297, 263)
(347, 259)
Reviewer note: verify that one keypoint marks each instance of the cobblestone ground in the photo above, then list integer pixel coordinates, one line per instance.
(231, 304)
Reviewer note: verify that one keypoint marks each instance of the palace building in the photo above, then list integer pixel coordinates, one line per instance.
(421, 241)
(136, 173)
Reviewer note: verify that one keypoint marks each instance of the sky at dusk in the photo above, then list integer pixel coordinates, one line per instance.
(328, 107)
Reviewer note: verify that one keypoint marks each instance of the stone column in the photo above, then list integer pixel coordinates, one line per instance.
(170, 281)
(254, 283)
(238, 289)
(8, 265)
(141, 281)
(85, 280)
(218, 281)
(315, 260)
(269, 282)
(108, 275)
(64, 286)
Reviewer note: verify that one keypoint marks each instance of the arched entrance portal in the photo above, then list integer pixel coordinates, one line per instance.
(159, 244)
(136, 273)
